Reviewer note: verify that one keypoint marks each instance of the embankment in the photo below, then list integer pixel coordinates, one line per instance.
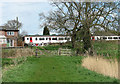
(102, 66)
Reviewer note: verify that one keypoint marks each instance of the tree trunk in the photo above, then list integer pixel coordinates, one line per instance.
(87, 41)
(73, 38)
(87, 35)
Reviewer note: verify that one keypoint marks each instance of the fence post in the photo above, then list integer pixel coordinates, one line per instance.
(59, 51)
(107, 55)
(36, 52)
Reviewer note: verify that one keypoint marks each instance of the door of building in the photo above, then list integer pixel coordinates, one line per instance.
(10, 42)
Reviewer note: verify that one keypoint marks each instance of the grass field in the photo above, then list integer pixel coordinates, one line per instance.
(58, 68)
(53, 69)
(109, 48)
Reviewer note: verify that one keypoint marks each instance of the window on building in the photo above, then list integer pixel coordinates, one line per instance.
(36, 39)
(54, 38)
(7, 33)
(41, 38)
(119, 37)
(60, 38)
(10, 33)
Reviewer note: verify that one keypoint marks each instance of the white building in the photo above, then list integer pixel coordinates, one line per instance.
(3, 40)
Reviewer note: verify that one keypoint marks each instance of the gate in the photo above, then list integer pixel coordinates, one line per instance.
(66, 52)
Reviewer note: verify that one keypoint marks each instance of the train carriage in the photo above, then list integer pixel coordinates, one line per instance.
(41, 40)
(107, 38)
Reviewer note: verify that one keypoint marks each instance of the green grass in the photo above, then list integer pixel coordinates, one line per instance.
(55, 47)
(50, 47)
(6, 61)
(104, 48)
(53, 69)
(12, 61)
(110, 48)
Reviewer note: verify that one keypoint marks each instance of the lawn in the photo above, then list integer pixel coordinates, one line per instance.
(53, 69)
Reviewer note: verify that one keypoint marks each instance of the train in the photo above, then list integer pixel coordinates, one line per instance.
(106, 38)
(42, 40)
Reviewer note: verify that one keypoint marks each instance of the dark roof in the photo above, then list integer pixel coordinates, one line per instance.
(7, 29)
(2, 28)
(105, 34)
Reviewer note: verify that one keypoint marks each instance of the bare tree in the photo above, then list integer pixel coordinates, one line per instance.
(73, 17)
(13, 24)
(23, 33)
(20, 39)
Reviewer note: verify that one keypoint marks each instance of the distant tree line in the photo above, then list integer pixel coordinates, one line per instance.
(46, 31)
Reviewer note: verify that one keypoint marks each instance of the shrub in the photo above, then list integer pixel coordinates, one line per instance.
(12, 53)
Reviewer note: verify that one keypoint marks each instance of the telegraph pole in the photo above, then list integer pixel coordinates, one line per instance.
(118, 42)
(17, 22)
(17, 29)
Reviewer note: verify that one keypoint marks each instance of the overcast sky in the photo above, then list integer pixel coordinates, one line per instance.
(27, 13)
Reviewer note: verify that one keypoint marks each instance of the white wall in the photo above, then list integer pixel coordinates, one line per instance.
(3, 39)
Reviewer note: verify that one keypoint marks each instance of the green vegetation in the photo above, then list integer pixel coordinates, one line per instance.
(57, 68)
(13, 61)
(46, 31)
(107, 49)
(53, 69)
(55, 47)
(50, 47)
(15, 56)
(13, 53)
(6, 61)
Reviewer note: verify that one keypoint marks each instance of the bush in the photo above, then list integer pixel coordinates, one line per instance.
(15, 56)
(6, 61)
(12, 53)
